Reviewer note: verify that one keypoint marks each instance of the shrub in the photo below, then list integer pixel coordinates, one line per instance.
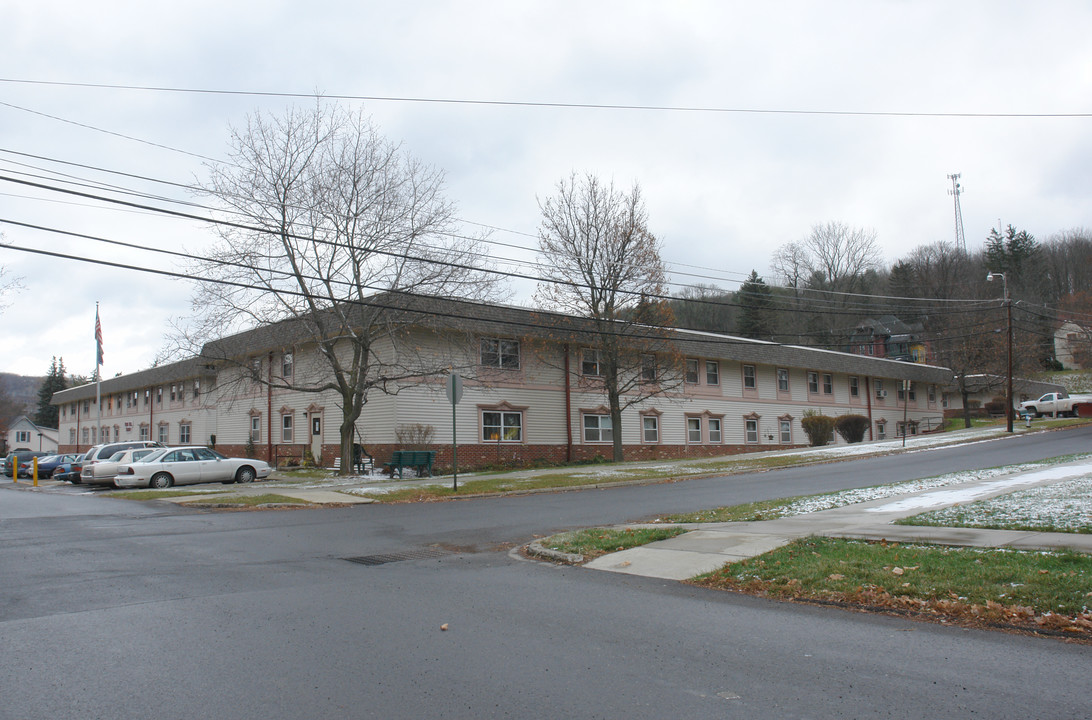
(817, 427)
(996, 406)
(415, 437)
(852, 428)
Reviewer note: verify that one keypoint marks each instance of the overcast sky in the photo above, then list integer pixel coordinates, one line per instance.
(867, 107)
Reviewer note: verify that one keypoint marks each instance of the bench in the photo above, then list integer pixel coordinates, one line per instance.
(364, 464)
(420, 460)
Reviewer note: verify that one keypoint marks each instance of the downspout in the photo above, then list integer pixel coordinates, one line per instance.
(78, 404)
(269, 414)
(868, 397)
(568, 410)
(151, 414)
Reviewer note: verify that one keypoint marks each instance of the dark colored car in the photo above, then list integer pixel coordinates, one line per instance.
(47, 465)
(18, 457)
(70, 471)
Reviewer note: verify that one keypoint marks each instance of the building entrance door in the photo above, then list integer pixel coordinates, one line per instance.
(316, 437)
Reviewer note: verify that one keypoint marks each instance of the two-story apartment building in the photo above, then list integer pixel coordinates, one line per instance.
(531, 394)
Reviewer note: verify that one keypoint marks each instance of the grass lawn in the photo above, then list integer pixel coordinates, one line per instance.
(593, 542)
(1030, 590)
(1061, 507)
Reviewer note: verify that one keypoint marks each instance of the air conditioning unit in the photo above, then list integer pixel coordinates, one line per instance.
(881, 394)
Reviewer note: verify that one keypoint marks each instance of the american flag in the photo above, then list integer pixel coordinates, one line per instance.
(98, 337)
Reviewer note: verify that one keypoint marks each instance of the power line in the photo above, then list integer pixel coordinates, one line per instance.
(545, 104)
(817, 297)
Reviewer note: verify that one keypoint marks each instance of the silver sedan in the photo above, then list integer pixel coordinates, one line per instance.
(188, 465)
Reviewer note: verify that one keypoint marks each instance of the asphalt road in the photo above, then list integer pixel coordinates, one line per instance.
(116, 609)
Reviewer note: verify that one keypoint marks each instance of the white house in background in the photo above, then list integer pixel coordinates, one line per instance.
(25, 435)
(529, 396)
(1072, 344)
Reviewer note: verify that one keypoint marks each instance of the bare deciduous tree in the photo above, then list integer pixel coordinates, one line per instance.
(603, 263)
(325, 215)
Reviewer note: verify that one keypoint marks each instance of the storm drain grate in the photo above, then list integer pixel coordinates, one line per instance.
(423, 554)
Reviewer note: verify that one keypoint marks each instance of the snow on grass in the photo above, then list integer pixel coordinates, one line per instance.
(1064, 506)
(879, 492)
(964, 495)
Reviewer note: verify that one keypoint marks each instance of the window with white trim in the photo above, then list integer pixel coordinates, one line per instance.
(880, 392)
(648, 368)
(183, 433)
(650, 428)
(712, 372)
(881, 430)
(85, 434)
(854, 386)
(499, 353)
(782, 380)
(22, 436)
(597, 428)
(750, 429)
(287, 365)
(813, 382)
(106, 434)
(287, 421)
(502, 426)
(715, 435)
(785, 426)
(691, 371)
(145, 432)
(256, 428)
(828, 384)
(71, 436)
(163, 431)
(750, 382)
(693, 430)
(590, 364)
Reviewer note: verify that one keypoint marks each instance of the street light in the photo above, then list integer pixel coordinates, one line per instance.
(1008, 308)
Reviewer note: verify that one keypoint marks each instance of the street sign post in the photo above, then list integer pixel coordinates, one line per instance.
(454, 390)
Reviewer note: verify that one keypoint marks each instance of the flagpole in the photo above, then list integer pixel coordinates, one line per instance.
(98, 378)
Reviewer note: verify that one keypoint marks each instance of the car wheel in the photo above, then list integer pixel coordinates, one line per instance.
(1033, 412)
(246, 474)
(160, 481)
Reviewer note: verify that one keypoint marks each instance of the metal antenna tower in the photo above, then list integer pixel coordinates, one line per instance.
(960, 240)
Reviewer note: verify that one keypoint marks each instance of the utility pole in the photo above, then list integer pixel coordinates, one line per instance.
(1008, 308)
(960, 240)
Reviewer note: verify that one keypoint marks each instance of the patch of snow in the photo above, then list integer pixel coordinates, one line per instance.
(1065, 505)
(862, 495)
(962, 495)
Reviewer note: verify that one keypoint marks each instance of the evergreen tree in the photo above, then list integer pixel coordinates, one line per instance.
(47, 414)
(755, 314)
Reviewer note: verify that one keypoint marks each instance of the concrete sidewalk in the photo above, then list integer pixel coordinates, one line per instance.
(711, 545)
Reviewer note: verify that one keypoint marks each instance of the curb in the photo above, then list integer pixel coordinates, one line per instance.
(536, 548)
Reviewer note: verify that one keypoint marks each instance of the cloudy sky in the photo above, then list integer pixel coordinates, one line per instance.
(760, 120)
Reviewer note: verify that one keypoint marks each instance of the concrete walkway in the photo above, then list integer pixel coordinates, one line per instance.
(711, 545)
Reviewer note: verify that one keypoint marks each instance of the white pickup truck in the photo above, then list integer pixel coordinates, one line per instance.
(1055, 404)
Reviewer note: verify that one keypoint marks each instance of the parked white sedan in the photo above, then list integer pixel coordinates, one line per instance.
(188, 465)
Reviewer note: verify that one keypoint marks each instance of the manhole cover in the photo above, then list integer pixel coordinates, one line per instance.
(383, 559)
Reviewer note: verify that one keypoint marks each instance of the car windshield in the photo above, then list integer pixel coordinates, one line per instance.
(152, 457)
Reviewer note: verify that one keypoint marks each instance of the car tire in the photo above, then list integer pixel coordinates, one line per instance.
(245, 474)
(161, 481)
